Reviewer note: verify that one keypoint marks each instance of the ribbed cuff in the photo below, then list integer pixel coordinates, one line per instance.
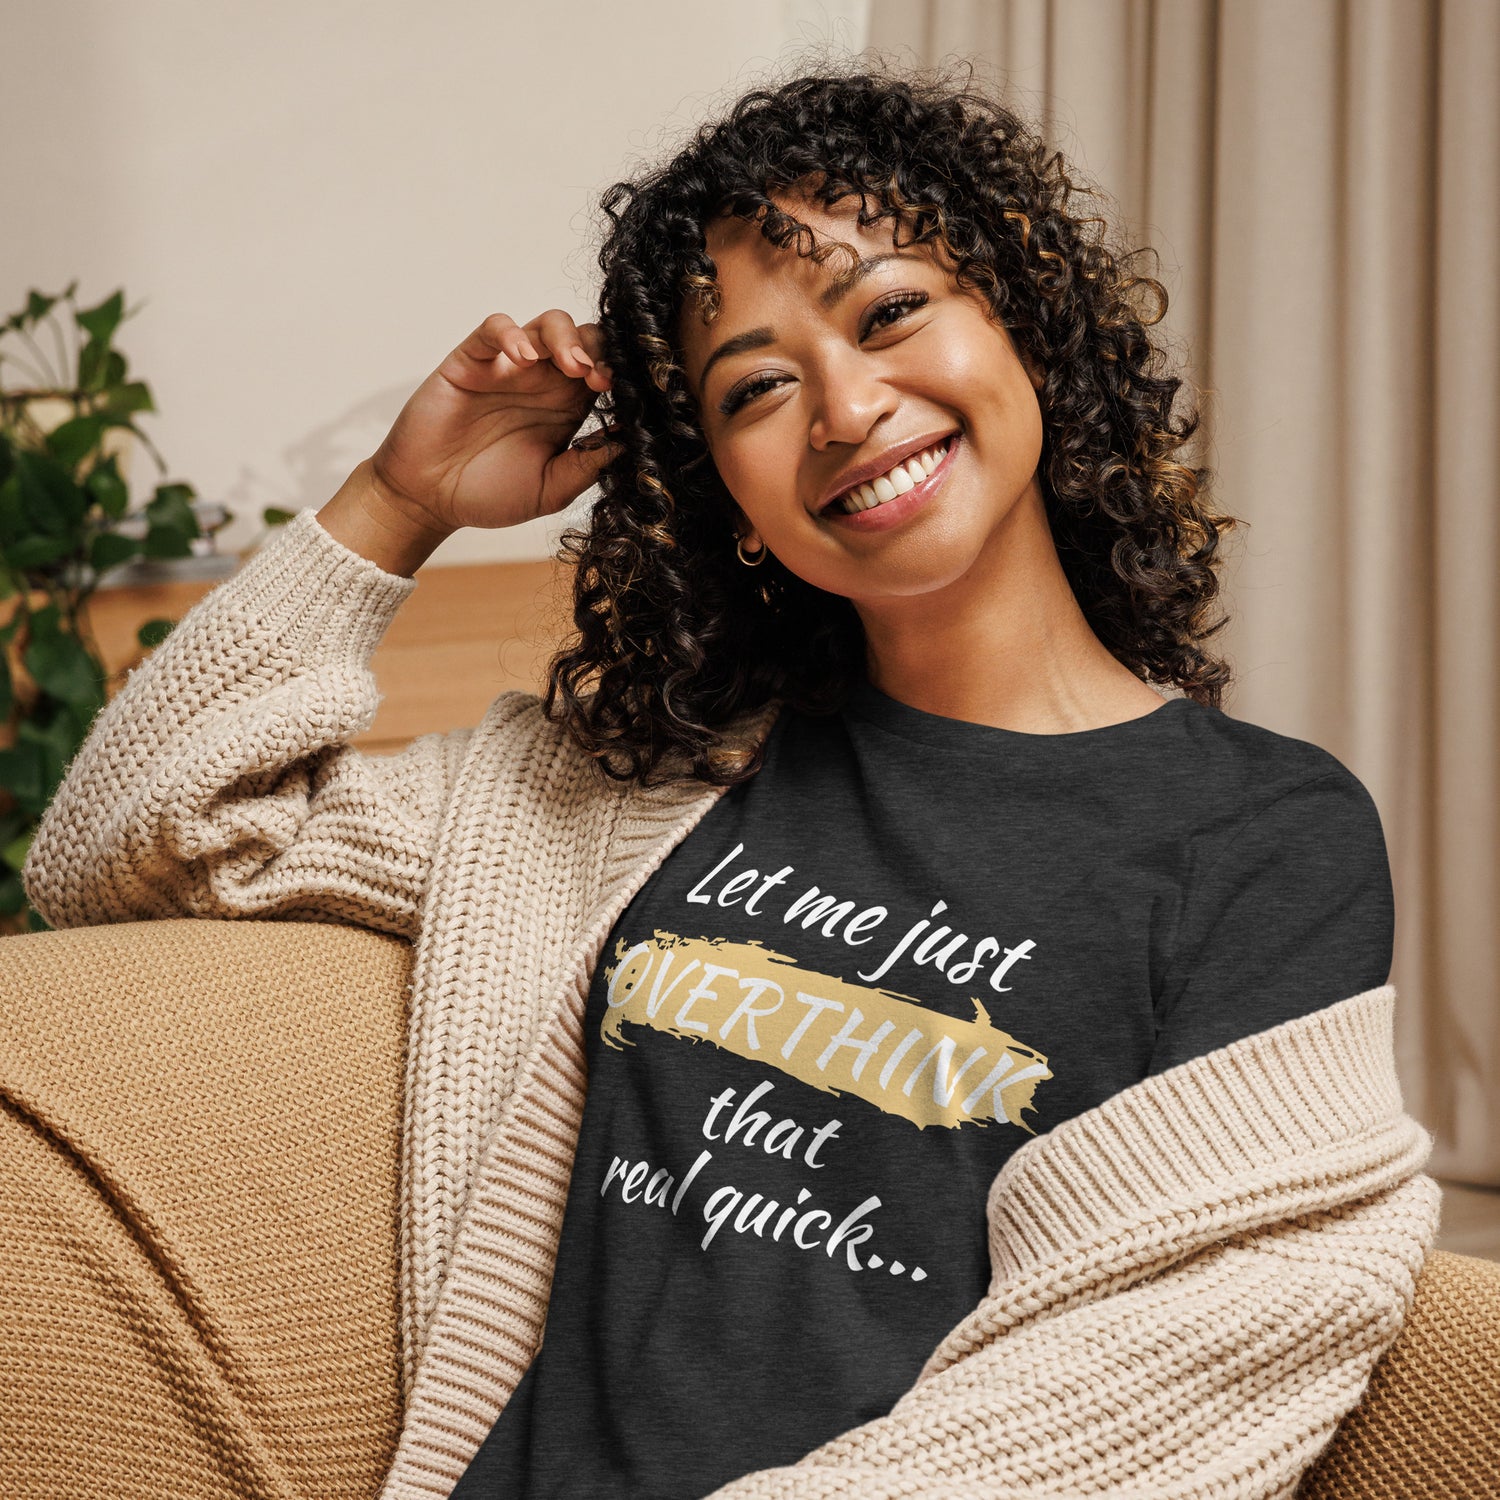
(1299, 1090)
(318, 594)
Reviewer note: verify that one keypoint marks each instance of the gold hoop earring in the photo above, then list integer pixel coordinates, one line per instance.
(756, 561)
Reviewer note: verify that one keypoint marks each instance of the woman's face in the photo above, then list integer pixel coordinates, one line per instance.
(810, 381)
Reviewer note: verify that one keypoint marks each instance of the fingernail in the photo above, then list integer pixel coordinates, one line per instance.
(527, 350)
(578, 354)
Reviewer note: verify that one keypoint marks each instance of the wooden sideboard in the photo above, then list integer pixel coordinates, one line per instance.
(466, 634)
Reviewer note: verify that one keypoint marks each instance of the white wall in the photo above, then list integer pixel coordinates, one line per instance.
(314, 200)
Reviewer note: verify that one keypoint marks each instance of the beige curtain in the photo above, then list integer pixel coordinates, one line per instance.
(1322, 180)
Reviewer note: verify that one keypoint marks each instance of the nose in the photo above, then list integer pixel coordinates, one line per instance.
(850, 397)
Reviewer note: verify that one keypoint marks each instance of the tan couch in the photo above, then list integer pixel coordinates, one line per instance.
(198, 1202)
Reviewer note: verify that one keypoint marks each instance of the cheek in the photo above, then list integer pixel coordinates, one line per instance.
(979, 361)
(998, 395)
(755, 474)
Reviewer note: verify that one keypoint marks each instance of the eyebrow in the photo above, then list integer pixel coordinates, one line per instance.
(759, 338)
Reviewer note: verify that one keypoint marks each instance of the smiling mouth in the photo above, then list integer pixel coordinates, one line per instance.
(897, 481)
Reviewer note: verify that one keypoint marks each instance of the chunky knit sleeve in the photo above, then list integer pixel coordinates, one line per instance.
(1192, 1284)
(218, 782)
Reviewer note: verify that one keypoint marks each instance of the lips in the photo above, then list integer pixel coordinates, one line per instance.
(879, 515)
(880, 466)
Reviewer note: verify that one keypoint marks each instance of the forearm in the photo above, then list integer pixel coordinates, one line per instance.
(1224, 1376)
(368, 520)
(217, 782)
(1193, 1283)
(1239, 1361)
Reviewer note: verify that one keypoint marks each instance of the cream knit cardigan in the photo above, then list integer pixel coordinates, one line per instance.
(1191, 1281)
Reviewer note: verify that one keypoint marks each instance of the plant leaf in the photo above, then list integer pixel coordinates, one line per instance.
(56, 742)
(106, 486)
(109, 549)
(154, 632)
(134, 396)
(38, 306)
(167, 541)
(72, 441)
(14, 853)
(174, 523)
(61, 665)
(172, 502)
(93, 365)
(100, 322)
(12, 512)
(23, 773)
(13, 899)
(12, 825)
(52, 501)
(37, 550)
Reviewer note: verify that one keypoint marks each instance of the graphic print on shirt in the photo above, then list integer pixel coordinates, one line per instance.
(846, 1039)
(887, 1049)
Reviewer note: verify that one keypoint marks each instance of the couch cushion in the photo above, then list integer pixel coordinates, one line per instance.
(1428, 1427)
(199, 1138)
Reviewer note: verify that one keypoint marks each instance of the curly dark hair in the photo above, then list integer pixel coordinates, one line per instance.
(674, 637)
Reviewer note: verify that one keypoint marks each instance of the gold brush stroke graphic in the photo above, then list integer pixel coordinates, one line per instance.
(885, 1048)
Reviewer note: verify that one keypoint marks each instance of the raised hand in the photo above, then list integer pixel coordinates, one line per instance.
(486, 439)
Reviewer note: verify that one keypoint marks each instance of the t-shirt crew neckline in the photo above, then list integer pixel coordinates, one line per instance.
(868, 702)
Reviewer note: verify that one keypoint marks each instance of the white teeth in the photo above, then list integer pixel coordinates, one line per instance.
(904, 477)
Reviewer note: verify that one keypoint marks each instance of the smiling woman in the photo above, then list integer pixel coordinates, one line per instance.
(1074, 995)
(849, 378)
(856, 333)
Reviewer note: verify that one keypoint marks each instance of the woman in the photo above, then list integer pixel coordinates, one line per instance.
(848, 851)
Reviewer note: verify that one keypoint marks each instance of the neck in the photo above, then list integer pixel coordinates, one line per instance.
(1003, 644)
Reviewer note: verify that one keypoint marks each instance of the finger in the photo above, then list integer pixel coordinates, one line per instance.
(488, 339)
(499, 334)
(563, 343)
(591, 336)
(598, 437)
(572, 471)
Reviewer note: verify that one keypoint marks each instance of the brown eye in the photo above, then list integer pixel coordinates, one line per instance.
(745, 391)
(897, 307)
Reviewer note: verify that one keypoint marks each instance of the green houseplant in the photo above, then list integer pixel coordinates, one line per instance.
(68, 409)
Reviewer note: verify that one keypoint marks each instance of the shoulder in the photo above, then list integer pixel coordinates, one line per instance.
(516, 722)
(1286, 900)
(522, 759)
(1248, 774)
(516, 733)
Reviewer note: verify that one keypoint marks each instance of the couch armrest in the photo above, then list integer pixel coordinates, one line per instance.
(1428, 1426)
(199, 1173)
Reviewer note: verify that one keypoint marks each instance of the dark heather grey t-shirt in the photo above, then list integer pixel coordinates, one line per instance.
(905, 947)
